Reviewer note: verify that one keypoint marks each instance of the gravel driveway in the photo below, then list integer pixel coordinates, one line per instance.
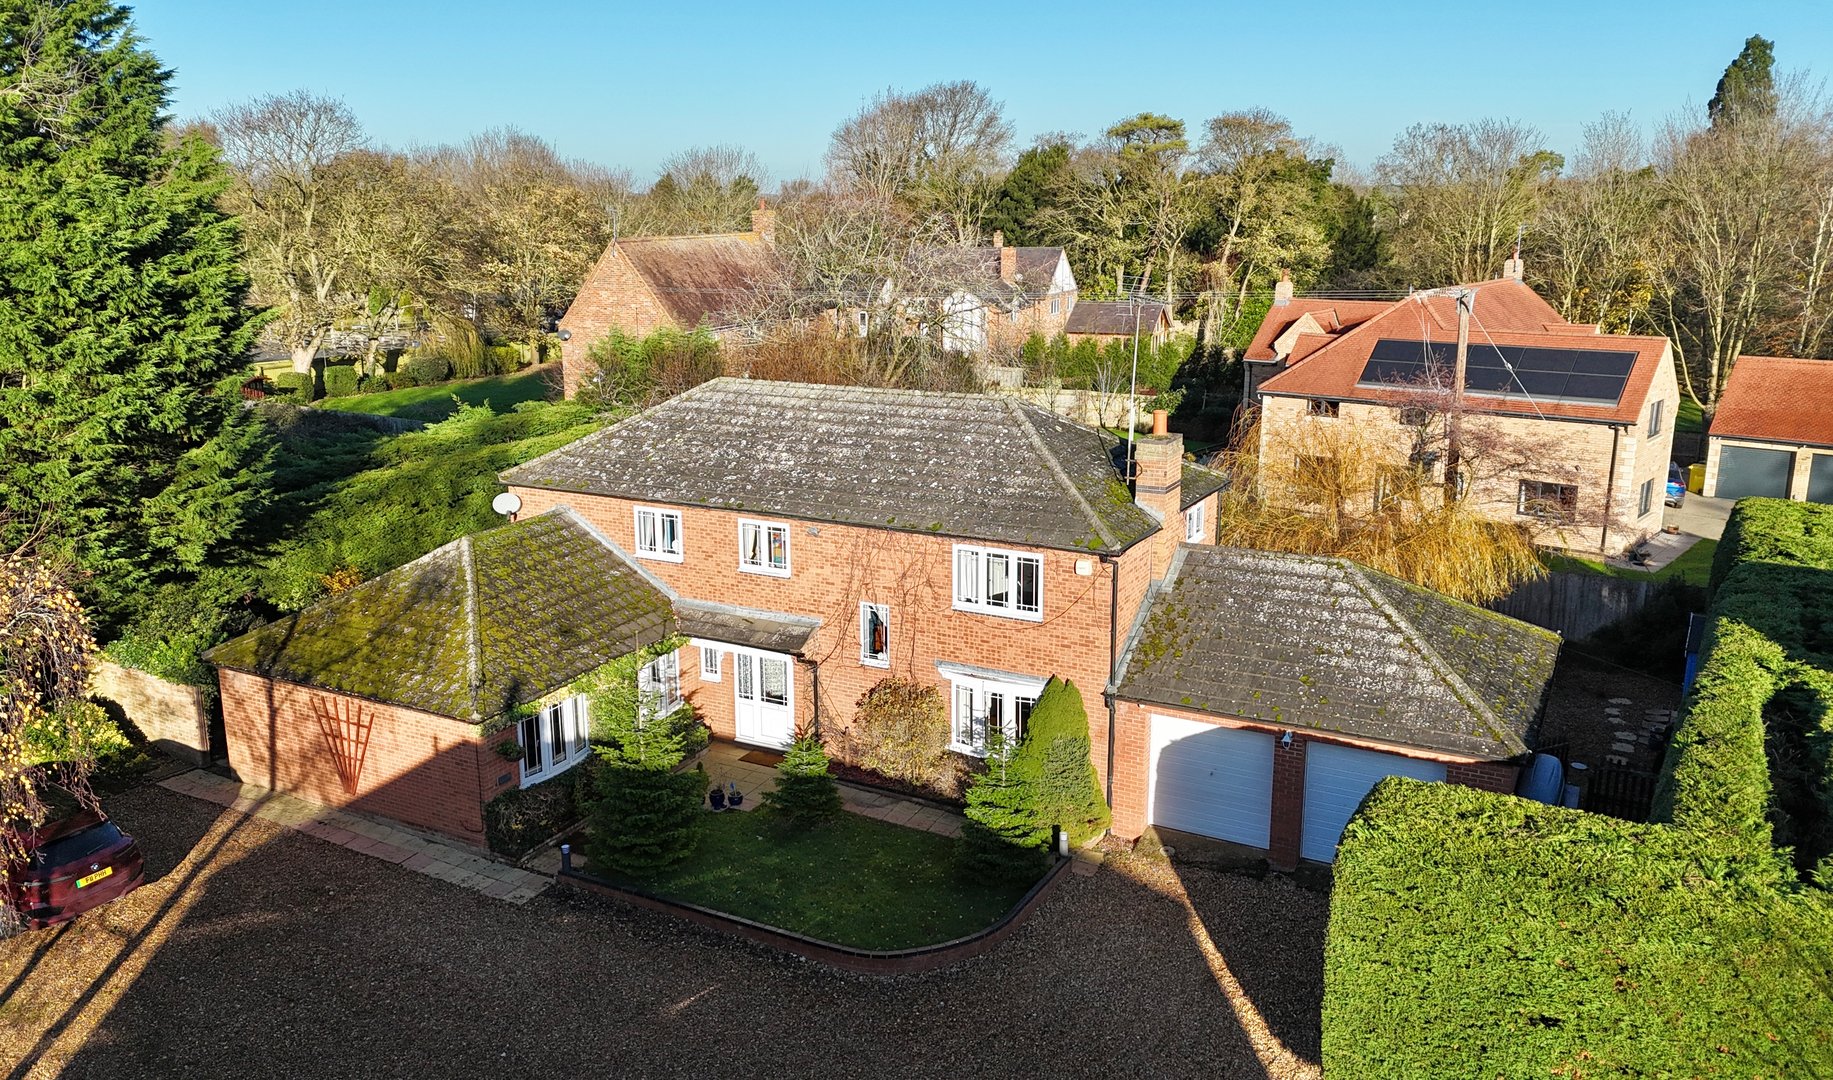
(257, 952)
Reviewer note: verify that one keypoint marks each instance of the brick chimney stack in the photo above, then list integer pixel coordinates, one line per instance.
(1282, 290)
(763, 222)
(1512, 267)
(1158, 488)
(1008, 258)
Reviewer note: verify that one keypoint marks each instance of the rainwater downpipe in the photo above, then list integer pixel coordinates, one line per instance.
(1113, 647)
(1610, 486)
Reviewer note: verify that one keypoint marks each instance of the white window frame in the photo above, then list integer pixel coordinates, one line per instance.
(556, 738)
(1194, 531)
(765, 528)
(710, 664)
(866, 656)
(658, 685)
(659, 550)
(865, 322)
(972, 572)
(1056, 304)
(1654, 416)
(981, 694)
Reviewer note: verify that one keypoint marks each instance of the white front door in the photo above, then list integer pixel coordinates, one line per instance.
(764, 696)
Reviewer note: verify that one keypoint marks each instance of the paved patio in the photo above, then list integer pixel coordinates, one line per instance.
(452, 863)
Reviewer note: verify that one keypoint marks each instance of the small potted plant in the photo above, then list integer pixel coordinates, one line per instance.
(734, 797)
(716, 796)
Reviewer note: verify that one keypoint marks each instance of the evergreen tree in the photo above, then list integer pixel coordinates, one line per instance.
(1002, 838)
(1054, 755)
(1748, 87)
(1036, 179)
(645, 815)
(121, 309)
(805, 793)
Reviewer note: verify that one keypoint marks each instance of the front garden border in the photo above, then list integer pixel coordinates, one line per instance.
(861, 961)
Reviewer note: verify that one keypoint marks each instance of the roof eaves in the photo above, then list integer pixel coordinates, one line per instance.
(1062, 478)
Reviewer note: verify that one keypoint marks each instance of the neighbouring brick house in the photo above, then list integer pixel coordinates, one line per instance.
(1772, 434)
(811, 541)
(1589, 416)
(1102, 321)
(382, 698)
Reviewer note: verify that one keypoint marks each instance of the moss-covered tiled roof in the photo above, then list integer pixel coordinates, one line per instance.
(1199, 483)
(974, 466)
(478, 626)
(1334, 647)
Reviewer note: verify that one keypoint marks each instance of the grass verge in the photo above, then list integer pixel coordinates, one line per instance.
(432, 403)
(1694, 566)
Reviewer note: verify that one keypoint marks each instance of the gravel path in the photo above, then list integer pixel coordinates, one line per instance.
(259, 952)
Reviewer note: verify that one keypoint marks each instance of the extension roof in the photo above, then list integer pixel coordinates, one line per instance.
(1327, 316)
(1334, 647)
(972, 466)
(471, 629)
(1779, 399)
(1331, 364)
(1114, 318)
(702, 278)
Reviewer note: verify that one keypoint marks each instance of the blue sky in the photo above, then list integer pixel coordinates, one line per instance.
(626, 84)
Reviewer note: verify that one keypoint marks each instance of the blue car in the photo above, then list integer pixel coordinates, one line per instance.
(1677, 485)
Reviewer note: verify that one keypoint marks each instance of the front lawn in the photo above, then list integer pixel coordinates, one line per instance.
(1694, 566)
(856, 881)
(430, 403)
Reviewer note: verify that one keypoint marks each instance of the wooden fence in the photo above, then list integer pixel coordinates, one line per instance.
(1576, 605)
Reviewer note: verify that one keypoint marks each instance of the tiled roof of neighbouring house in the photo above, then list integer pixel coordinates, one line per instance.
(1199, 483)
(1113, 318)
(1779, 398)
(482, 624)
(703, 277)
(1331, 646)
(972, 466)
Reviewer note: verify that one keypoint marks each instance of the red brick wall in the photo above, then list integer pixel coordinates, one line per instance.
(613, 295)
(1132, 762)
(836, 567)
(425, 770)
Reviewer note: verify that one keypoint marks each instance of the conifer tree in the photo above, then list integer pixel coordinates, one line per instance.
(1002, 837)
(122, 312)
(644, 814)
(805, 793)
(1055, 756)
(1747, 90)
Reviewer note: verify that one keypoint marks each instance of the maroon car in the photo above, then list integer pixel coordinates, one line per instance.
(78, 861)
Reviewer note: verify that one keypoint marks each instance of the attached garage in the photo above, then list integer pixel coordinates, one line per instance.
(1749, 471)
(1209, 780)
(1337, 779)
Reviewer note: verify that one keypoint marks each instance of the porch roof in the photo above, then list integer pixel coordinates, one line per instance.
(766, 631)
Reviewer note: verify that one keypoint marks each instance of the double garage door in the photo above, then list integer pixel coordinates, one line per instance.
(1216, 781)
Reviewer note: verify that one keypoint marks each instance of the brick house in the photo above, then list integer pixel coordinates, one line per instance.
(1588, 417)
(810, 541)
(1772, 434)
(382, 698)
(1103, 321)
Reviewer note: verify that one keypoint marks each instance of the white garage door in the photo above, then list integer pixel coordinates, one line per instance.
(1337, 779)
(1211, 780)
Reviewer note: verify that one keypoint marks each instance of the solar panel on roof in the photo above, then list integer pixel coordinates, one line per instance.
(1529, 372)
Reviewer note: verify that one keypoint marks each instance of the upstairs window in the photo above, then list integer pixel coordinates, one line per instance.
(1654, 417)
(998, 582)
(658, 534)
(763, 548)
(1056, 304)
(875, 635)
(1194, 532)
(1322, 407)
(1547, 501)
(658, 685)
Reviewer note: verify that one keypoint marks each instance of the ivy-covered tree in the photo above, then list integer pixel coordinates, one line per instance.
(122, 309)
(805, 792)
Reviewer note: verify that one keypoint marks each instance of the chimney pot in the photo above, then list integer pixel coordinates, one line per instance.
(1160, 422)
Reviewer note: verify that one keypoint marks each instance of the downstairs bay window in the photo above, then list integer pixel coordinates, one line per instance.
(553, 740)
(983, 703)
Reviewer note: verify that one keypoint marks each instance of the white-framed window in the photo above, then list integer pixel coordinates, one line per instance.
(553, 740)
(709, 664)
(865, 323)
(875, 635)
(1647, 500)
(1056, 305)
(994, 581)
(1194, 531)
(658, 685)
(658, 533)
(981, 704)
(1654, 417)
(1546, 500)
(763, 548)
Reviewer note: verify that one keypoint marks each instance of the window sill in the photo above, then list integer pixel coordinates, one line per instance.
(552, 771)
(661, 556)
(866, 661)
(763, 571)
(1000, 613)
(967, 751)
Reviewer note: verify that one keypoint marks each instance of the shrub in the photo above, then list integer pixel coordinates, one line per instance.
(295, 386)
(1001, 840)
(373, 383)
(399, 379)
(1054, 755)
(179, 620)
(900, 730)
(503, 359)
(340, 381)
(805, 793)
(427, 370)
(1474, 934)
(515, 822)
(641, 371)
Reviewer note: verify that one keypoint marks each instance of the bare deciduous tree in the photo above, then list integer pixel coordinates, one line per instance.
(706, 189)
(936, 150)
(1461, 194)
(1595, 237)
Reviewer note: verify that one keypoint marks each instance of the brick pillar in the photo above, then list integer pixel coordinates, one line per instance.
(1288, 803)
(1008, 261)
(1158, 487)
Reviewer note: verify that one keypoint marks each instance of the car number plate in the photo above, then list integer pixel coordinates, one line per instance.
(95, 877)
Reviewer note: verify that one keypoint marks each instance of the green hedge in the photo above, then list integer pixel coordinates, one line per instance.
(1473, 934)
(340, 381)
(293, 386)
(427, 370)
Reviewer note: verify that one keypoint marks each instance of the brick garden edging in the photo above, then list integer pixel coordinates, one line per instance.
(861, 961)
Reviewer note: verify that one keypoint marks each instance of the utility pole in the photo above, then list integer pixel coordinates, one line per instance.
(1454, 423)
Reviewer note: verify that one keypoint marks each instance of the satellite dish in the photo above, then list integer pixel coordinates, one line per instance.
(506, 503)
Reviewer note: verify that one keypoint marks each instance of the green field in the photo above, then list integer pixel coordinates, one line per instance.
(429, 403)
(1689, 417)
(1693, 567)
